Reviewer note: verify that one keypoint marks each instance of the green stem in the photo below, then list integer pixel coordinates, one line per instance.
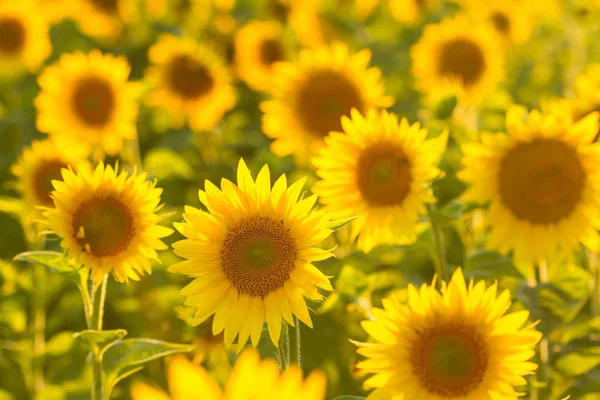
(98, 295)
(544, 346)
(439, 244)
(283, 350)
(39, 327)
(296, 344)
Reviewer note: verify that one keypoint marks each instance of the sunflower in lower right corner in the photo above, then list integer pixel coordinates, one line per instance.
(457, 344)
(542, 182)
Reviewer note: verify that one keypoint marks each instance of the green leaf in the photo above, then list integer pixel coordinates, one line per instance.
(349, 398)
(99, 341)
(52, 259)
(129, 355)
(351, 281)
(489, 264)
(340, 223)
(165, 163)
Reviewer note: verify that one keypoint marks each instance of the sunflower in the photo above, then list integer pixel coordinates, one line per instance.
(38, 166)
(251, 255)
(587, 93)
(458, 344)
(191, 16)
(24, 39)
(86, 99)
(409, 11)
(511, 21)
(258, 46)
(310, 23)
(55, 11)
(189, 81)
(380, 170)
(251, 378)
(311, 95)
(107, 220)
(104, 19)
(542, 182)
(456, 49)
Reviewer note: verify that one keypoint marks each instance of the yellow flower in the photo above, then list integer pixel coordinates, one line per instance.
(189, 81)
(24, 39)
(107, 220)
(409, 11)
(587, 93)
(311, 95)
(509, 18)
(542, 182)
(251, 378)
(258, 46)
(86, 99)
(458, 344)
(55, 11)
(308, 21)
(105, 19)
(379, 170)
(35, 170)
(251, 255)
(456, 49)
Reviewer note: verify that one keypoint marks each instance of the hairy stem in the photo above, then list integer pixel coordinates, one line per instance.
(439, 244)
(283, 350)
(98, 297)
(296, 344)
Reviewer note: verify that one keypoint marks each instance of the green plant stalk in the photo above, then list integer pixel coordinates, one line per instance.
(544, 369)
(439, 244)
(296, 344)
(38, 327)
(283, 350)
(98, 298)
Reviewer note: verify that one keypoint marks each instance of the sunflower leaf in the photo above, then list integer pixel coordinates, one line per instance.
(99, 341)
(338, 224)
(346, 397)
(52, 259)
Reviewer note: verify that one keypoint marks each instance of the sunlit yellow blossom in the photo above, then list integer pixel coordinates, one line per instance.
(542, 182)
(189, 81)
(251, 255)
(86, 99)
(458, 344)
(511, 21)
(312, 94)
(379, 170)
(410, 10)
(107, 220)
(307, 19)
(104, 18)
(55, 11)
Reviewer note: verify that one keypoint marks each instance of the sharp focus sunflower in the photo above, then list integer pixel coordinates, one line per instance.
(409, 11)
(85, 98)
(542, 182)
(104, 19)
(24, 39)
(379, 170)
(510, 19)
(456, 49)
(35, 170)
(251, 378)
(458, 344)
(258, 46)
(251, 255)
(311, 95)
(190, 82)
(107, 220)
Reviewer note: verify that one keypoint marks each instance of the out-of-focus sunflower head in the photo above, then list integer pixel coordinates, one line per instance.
(511, 20)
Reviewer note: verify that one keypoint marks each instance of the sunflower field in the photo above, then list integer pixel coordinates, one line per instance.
(299, 199)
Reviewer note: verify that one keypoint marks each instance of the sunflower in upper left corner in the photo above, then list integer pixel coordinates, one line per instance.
(24, 39)
(190, 82)
(542, 182)
(311, 95)
(86, 99)
(108, 220)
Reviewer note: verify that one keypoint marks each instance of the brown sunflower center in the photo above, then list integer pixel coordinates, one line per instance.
(271, 51)
(106, 6)
(449, 360)
(94, 101)
(258, 255)
(324, 98)
(104, 226)
(383, 175)
(12, 35)
(501, 22)
(541, 181)
(462, 58)
(189, 78)
(43, 177)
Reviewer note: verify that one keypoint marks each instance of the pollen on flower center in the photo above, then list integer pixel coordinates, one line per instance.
(324, 98)
(541, 181)
(94, 101)
(104, 226)
(106, 6)
(449, 360)
(271, 52)
(501, 22)
(12, 35)
(383, 175)
(188, 78)
(258, 255)
(43, 177)
(462, 58)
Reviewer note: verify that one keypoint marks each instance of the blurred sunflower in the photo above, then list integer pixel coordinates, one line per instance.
(409, 11)
(587, 93)
(309, 22)
(86, 99)
(24, 39)
(512, 22)
(37, 167)
(107, 220)
(251, 256)
(251, 378)
(191, 16)
(258, 45)
(457, 344)
(456, 49)
(379, 170)
(104, 19)
(311, 95)
(190, 82)
(55, 11)
(543, 184)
